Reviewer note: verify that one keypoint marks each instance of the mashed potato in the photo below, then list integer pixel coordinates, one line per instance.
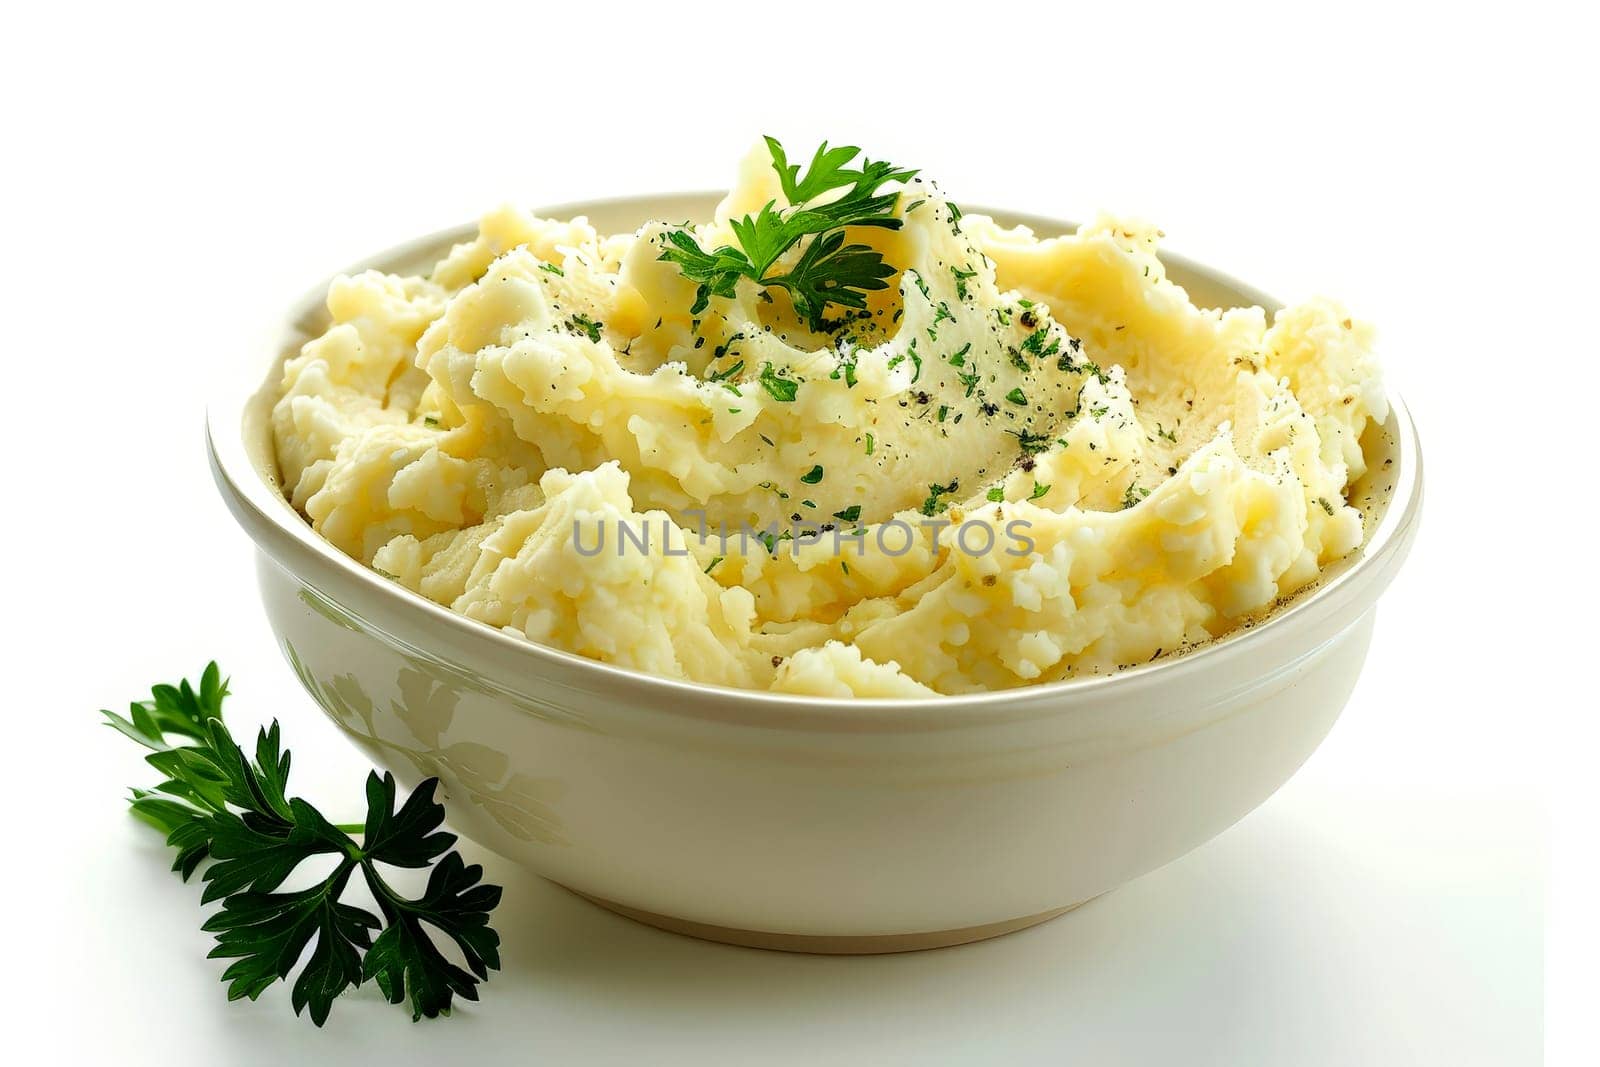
(1022, 460)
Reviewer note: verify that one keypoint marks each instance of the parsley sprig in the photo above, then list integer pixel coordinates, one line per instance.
(219, 804)
(828, 271)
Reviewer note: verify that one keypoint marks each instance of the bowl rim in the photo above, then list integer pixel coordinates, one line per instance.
(260, 506)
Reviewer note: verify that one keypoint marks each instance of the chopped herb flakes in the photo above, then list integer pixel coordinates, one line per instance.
(846, 368)
(583, 324)
(778, 387)
(1040, 343)
(1031, 443)
(962, 277)
(935, 504)
(726, 373)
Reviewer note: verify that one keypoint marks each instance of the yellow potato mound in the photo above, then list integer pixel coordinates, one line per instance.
(1026, 459)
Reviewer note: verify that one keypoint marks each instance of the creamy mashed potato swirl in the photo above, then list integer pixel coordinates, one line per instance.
(1025, 459)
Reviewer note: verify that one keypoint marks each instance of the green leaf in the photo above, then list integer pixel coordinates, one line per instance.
(266, 933)
(404, 960)
(406, 838)
(832, 272)
(138, 726)
(717, 273)
(193, 842)
(825, 172)
(222, 806)
(335, 963)
(164, 814)
(828, 271)
(179, 709)
(254, 854)
(765, 236)
(828, 172)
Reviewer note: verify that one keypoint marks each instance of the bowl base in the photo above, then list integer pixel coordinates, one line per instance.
(827, 944)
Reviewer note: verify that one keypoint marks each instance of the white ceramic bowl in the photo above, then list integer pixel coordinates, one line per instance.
(794, 822)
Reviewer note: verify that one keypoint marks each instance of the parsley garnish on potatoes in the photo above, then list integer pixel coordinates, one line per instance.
(828, 271)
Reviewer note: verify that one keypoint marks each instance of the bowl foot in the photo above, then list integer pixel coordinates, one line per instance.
(827, 944)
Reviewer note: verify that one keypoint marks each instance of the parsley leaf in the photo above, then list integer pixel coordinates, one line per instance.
(717, 273)
(219, 803)
(832, 272)
(828, 172)
(828, 270)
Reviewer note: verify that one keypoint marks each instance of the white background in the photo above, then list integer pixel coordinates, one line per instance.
(173, 177)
